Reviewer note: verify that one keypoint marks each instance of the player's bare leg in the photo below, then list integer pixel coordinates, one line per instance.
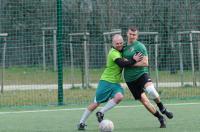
(150, 89)
(110, 104)
(145, 101)
(86, 114)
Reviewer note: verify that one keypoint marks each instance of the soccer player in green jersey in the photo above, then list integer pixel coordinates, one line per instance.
(138, 80)
(109, 89)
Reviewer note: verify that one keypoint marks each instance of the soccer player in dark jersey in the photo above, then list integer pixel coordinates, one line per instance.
(138, 80)
(109, 89)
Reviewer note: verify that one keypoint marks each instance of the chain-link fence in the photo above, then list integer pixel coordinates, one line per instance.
(49, 46)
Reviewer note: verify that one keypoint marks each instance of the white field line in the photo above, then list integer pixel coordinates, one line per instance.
(78, 109)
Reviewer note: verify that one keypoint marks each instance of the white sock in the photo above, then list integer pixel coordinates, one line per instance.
(85, 115)
(110, 104)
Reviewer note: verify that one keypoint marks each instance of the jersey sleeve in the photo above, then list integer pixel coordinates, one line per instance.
(143, 50)
(115, 55)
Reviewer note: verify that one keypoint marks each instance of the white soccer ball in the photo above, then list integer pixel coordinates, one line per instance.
(106, 126)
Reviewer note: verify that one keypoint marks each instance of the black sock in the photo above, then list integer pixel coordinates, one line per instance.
(158, 115)
(161, 107)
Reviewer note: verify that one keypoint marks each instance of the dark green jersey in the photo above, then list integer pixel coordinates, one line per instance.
(133, 73)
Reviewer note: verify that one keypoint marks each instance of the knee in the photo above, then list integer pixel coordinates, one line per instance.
(151, 91)
(118, 97)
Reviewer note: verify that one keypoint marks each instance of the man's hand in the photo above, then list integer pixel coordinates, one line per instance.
(138, 57)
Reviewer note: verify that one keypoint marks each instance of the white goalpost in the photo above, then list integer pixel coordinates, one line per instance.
(85, 36)
(107, 36)
(44, 29)
(190, 34)
(4, 36)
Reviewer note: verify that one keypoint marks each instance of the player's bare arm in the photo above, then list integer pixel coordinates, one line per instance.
(143, 62)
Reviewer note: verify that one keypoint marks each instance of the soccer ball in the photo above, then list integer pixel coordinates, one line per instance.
(106, 126)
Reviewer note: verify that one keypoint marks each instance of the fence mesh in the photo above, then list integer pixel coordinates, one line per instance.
(32, 68)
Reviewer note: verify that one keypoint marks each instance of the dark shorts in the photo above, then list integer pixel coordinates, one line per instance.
(137, 86)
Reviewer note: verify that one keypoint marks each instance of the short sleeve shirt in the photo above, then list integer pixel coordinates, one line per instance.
(133, 73)
(112, 72)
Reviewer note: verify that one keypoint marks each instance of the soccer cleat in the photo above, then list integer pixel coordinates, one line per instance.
(167, 113)
(81, 126)
(99, 116)
(162, 122)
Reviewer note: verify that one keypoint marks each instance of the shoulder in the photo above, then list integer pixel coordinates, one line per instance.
(113, 53)
(113, 50)
(140, 44)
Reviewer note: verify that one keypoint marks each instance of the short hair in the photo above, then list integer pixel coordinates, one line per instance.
(116, 36)
(132, 28)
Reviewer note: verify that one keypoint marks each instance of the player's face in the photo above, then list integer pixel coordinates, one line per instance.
(118, 43)
(132, 36)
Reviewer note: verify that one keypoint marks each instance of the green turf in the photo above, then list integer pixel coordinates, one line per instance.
(129, 119)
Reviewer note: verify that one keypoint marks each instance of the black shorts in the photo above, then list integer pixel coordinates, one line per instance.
(137, 86)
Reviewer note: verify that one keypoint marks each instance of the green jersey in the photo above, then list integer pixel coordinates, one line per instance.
(133, 73)
(112, 72)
